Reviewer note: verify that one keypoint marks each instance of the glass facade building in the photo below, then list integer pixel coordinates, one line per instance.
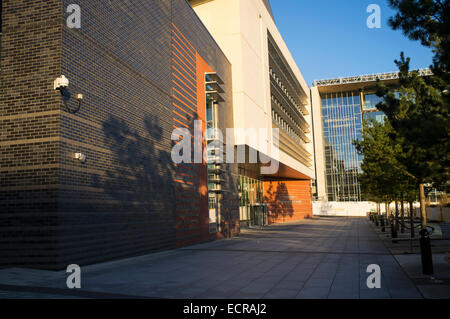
(343, 114)
(342, 124)
(340, 107)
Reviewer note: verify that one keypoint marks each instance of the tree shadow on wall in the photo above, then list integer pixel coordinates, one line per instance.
(141, 175)
(278, 202)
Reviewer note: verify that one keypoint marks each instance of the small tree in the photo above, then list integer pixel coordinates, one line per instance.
(384, 177)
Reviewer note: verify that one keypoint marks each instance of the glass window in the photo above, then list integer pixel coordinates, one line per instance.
(377, 116)
(371, 101)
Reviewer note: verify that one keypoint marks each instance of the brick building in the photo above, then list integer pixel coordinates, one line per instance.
(144, 68)
(140, 67)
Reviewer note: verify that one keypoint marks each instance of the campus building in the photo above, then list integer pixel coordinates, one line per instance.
(340, 106)
(268, 92)
(86, 166)
(100, 183)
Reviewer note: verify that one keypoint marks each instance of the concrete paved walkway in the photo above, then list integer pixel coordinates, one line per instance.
(315, 258)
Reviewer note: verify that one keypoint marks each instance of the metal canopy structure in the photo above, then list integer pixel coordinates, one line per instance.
(367, 78)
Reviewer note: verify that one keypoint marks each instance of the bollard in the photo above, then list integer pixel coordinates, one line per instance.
(393, 228)
(376, 220)
(411, 219)
(383, 228)
(403, 217)
(425, 252)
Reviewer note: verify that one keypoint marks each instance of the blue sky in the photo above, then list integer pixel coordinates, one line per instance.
(330, 38)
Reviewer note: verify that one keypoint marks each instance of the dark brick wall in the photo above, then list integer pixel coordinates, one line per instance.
(122, 201)
(29, 131)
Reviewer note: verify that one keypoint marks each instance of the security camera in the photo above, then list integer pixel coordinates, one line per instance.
(61, 83)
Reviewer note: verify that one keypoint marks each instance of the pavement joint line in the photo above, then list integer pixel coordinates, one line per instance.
(262, 275)
(287, 252)
(69, 292)
(359, 273)
(287, 273)
(309, 277)
(307, 237)
(334, 278)
(372, 227)
(109, 266)
(399, 265)
(435, 282)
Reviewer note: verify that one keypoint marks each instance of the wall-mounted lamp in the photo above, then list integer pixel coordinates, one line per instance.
(61, 84)
(80, 157)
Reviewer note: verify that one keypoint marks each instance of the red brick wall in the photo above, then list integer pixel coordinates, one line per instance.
(189, 102)
(288, 200)
(192, 214)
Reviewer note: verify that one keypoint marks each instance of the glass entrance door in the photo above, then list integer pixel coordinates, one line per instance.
(212, 205)
(259, 215)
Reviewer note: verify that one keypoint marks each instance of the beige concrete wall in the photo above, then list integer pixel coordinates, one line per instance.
(436, 214)
(240, 29)
(347, 209)
(319, 146)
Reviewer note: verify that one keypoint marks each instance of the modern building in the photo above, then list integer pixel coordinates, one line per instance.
(340, 106)
(268, 92)
(90, 118)
(99, 184)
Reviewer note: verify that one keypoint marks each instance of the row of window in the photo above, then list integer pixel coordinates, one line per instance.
(286, 127)
(342, 99)
(281, 107)
(250, 191)
(283, 88)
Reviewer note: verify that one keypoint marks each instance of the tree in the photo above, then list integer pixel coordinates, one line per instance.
(418, 108)
(418, 114)
(384, 177)
(427, 21)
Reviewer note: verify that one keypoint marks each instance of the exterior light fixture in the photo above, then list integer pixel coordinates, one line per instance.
(80, 157)
(61, 84)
